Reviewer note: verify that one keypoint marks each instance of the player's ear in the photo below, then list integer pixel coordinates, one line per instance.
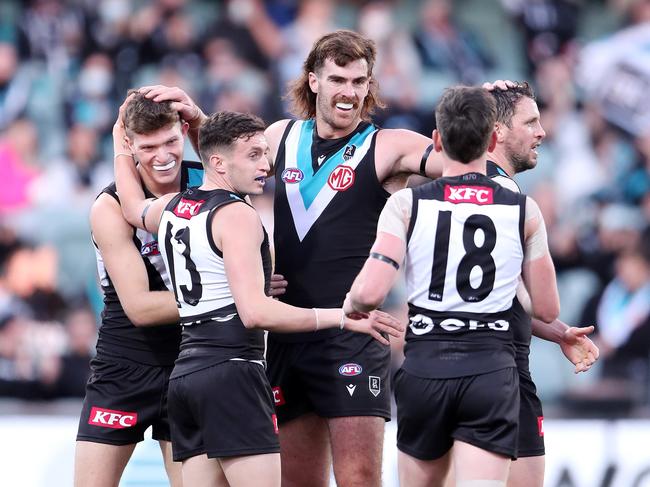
(437, 141)
(129, 143)
(184, 128)
(500, 131)
(217, 162)
(313, 82)
(493, 141)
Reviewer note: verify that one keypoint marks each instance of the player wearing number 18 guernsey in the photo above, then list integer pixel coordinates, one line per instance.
(465, 240)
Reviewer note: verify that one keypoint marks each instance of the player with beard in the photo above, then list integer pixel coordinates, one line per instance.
(139, 336)
(519, 134)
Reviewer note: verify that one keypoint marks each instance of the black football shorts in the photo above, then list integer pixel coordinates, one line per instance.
(482, 410)
(123, 398)
(224, 410)
(344, 375)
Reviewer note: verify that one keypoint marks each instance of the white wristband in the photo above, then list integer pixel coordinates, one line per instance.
(317, 320)
(342, 325)
(123, 154)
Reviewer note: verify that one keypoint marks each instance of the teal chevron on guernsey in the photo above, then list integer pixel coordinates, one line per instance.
(312, 183)
(310, 197)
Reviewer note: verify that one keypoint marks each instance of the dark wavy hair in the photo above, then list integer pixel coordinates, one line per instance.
(507, 101)
(342, 47)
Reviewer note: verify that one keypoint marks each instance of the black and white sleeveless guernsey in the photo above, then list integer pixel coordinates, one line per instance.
(212, 329)
(464, 255)
(118, 337)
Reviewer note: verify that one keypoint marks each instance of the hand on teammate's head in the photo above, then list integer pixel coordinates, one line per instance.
(501, 84)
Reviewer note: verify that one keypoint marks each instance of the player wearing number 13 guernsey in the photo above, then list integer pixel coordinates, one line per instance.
(465, 241)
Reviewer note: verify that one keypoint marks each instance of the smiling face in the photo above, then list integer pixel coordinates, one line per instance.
(524, 135)
(246, 164)
(159, 154)
(340, 93)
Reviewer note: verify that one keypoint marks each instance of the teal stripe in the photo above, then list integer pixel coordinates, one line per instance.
(311, 184)
(194, 178)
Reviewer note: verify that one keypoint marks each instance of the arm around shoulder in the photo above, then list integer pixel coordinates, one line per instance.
(125, 267)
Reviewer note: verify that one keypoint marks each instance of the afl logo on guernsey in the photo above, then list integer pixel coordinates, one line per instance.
(292, 175)
(350, 370)
(187, 208)
(342, 178)
(150, 248)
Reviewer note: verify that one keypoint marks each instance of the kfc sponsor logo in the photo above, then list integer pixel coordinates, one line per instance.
(540, 425)
(292, 175)
(278, 397)
(108, 418)
(150, 248)
(479, 195)
(188, 208)
(342, 178)
(350, 370)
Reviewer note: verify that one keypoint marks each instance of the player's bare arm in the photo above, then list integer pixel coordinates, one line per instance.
(577, 347)
(123, 263)
(573, 341)
(538, 271)
(399, 153)
(273, 134)
(238, 232)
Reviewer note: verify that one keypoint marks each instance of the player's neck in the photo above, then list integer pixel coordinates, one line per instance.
(327, 131)
(216, 181)
(499, 158)
(160, 189)
(453, 168)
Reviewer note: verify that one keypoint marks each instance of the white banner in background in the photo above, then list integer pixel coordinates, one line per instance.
(38, 451)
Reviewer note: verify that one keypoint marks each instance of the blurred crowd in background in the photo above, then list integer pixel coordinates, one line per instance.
(65, 67)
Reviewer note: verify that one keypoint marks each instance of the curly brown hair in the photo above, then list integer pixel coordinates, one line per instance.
(342, 47)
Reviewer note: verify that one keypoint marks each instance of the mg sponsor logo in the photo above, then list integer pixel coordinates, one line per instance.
(292, 175)
(341, 178)
(188, 208)
(109, 418)
(278, 397)
(479, 195)
(350, 370)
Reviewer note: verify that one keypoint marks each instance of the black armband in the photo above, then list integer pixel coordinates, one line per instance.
(144, 213)
(383, 258)
(423, 162)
